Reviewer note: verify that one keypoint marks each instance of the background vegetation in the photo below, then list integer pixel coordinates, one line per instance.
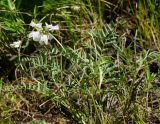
(101, 67)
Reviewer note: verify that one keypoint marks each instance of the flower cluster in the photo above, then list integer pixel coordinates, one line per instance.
(40, 34)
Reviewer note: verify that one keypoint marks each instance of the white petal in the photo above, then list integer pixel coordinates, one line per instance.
(56, 27)
(16, 44)
(47, 24)
(44, 38)
(12, 45)
(32, 24)
(35, 35)
(51, 27)
(36, 25)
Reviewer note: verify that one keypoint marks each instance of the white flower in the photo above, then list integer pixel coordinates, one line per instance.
(15, 44)
(37, 26)
(44, 39)
(35, 35)
(51, 27)
(42, 35)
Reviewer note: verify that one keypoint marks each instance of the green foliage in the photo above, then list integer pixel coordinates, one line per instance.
(51, 5)
(148, 25)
